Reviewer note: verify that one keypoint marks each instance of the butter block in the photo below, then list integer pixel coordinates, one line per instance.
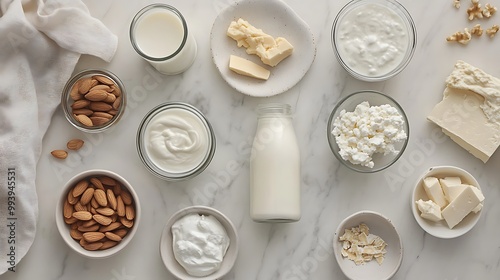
(461, 206)
(429, 210)
(271, 51)
(434, 192)
(468, 111)
(246, 67)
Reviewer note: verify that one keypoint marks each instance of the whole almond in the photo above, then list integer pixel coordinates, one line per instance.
(113, 112)
(76, 234)
(98, 121)
(85, 85)
(87, 196)
(103, 80)
(82, 215)
(111, 227)
(127, 198)
(60, 154)
(79, 207)
(108, 181)
(108, 244)
(75, 144)
(117, 103)
(126, 222)
(116, 90)
(93, 236)
(102, 115)
(129, 212)
(106, 211)
(121, 232)
(70, 221)
(96, 95)
(88, 229)
(83, 111)
(93, 246)
(113, 236)
(93, 202)
(110, 98)
(85, 120)
(83, 242)
(74, 93)
(79, 104)
(102, 87)
(111, 199)
(117, 189)
(100, 197)
(89, 223)
(80, 188)
(71, 199)
(120, 207)
(97, 183)
(103, 220)
(99, 106)
(67, 210)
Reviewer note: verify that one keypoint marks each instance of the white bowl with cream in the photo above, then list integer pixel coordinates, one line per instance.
(175, 141)
(374, 40)
(177, 229)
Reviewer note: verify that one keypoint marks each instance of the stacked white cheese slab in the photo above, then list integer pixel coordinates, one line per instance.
(450, 200)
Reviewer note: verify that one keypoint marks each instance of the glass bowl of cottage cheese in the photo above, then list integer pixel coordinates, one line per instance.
(368, 131)
(374, 40)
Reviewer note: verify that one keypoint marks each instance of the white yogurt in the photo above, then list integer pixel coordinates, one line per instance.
(199, 244)
(176, 140)
(157, 33)
(372, 39)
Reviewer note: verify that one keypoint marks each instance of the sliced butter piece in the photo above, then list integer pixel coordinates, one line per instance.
(433, 190)
(461, 206)
(246, 67)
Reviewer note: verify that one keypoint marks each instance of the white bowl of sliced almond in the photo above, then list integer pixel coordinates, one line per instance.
(98, 213)
(447, 201)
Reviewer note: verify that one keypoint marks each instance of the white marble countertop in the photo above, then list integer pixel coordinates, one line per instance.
(330, 191)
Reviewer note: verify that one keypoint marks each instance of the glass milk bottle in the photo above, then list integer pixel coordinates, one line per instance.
(275, 167)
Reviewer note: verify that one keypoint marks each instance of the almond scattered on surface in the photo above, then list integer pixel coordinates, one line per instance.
(75, 144)
(60, 154)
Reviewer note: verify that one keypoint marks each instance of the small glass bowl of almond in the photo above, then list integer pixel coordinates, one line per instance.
(93, 100)
(98, 213)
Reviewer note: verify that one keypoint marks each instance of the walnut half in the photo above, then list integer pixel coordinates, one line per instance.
(460, 37)
(492, 30)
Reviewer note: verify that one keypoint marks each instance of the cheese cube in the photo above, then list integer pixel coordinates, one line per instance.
(247, 68)
(451, 190)
(429, 210)
(433, 190)
(461, 206)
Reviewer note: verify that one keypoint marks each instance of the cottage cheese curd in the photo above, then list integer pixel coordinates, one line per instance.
(199, 244)
(368, 130)
(372, 39)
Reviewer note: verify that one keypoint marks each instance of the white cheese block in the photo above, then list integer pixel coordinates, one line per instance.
(451, 187)
(429, 210)
(461, 206)
(433, 190)
(468, 113)
(274, 55)
(246, 67)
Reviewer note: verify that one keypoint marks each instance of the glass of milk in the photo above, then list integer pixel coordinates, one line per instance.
(159, 34)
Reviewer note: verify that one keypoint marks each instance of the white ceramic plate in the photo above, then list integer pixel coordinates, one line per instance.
(378, 225)
(276, 19)
(440, 229)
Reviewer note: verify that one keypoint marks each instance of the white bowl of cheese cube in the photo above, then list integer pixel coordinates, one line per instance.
(447, 201)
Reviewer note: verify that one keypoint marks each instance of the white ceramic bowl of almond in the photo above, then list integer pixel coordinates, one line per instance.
(93, 100)
(194, 238)
(98, 213)
(447, 201)
(374, 237)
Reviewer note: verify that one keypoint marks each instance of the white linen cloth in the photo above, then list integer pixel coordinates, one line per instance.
(40, 44)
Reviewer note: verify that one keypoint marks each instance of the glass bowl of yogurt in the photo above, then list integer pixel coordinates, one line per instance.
(368, 131)
(374, 40)
(175, 141)
(199, 242)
